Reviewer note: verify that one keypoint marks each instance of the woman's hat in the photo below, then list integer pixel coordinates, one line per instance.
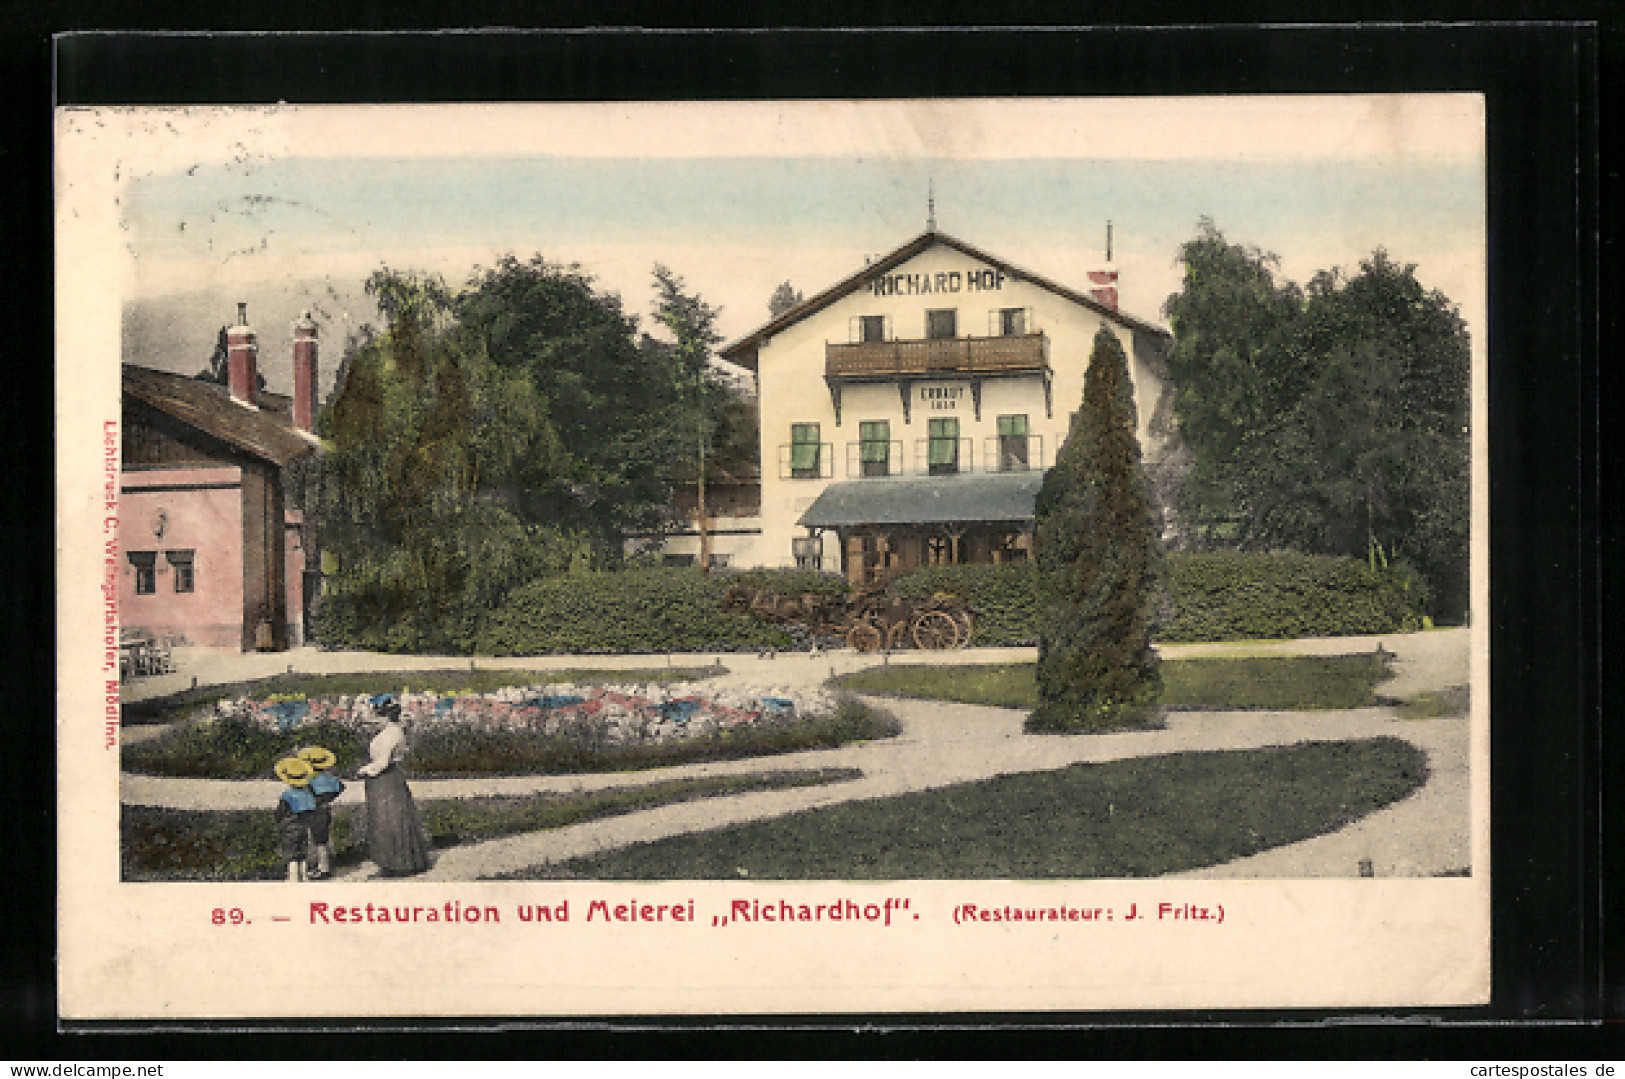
(386, 704)
(293, 771)
(317, 757)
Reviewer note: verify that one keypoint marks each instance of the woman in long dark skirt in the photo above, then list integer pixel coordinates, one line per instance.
(396, 840)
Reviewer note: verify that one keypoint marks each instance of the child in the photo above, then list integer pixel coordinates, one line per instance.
(325, 787)
(293, 813)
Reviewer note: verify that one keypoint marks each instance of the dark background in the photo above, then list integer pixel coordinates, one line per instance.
(1555, 545)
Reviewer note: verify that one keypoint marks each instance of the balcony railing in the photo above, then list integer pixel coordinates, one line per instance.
(1015, 354)
(811, 464)
(889, 465)
(1013, 453)
(953, 456)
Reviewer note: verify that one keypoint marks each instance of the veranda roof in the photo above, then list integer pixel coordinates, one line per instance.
(988, 497)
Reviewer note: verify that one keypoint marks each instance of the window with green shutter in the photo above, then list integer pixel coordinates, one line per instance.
(1013, 442)
(874, 447)
(804, 447)
(942, 452)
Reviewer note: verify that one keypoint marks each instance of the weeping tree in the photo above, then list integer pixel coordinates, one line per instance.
(415, 497)
(1097, 549)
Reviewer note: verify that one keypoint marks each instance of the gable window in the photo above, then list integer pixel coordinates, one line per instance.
(1013, 443)
(942, 323)
(185, 578)
(871, 327)
(804, 451)
(874, 447)
(1013, 321)
(146, 574)
(942, 452)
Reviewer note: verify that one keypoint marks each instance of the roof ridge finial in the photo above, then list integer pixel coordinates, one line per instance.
(930, 205)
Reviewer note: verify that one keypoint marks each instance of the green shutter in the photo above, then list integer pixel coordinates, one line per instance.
(944, 447)
(804, 446)
(874, 441)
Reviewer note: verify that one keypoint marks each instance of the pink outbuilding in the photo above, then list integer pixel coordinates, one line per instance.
(212, 552)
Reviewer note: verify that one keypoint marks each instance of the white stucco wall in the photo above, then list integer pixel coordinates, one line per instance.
(790, 370)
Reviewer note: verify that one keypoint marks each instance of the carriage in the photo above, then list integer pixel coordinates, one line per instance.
(869, 621)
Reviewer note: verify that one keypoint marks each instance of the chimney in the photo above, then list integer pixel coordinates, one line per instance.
(244, 360)
(304, 374)
(1103, 282)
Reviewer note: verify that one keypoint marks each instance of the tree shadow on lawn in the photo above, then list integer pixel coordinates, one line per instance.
(1142, 817)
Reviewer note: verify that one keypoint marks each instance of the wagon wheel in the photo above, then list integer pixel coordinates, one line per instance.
(864, 637)
(936, 631)
(967, 623)
(897, 636)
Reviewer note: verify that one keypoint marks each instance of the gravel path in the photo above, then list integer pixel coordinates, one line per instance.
(942, 744)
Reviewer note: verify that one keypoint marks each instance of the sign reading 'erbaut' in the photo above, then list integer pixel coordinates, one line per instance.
(923, 284)
(942, 397)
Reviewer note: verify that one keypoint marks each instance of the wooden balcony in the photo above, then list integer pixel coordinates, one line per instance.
(874, 361)
(904, 363)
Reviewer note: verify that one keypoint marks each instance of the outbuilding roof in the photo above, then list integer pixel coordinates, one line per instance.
(993, 496)
(743, 351)
(266, 432)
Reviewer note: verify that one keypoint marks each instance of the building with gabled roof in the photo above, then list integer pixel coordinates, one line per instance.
(909, 411)
(213, 555)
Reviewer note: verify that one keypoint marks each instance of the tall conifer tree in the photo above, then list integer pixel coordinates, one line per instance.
(1097, 547)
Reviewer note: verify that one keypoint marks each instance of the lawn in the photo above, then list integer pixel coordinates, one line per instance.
(1272, 683)
(177, 844)
(237, 749)
(1142, 817)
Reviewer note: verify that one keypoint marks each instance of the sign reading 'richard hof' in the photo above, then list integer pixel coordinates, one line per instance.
(922, 284)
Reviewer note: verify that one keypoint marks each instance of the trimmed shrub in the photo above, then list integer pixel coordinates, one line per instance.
(664, 610)
(1230, 595)
(1097, 548)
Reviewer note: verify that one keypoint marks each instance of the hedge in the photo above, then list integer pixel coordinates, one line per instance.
(1230, 595)
(651, 610)
(1214, 597)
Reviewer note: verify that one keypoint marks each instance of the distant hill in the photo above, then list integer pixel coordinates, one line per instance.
(177, 332)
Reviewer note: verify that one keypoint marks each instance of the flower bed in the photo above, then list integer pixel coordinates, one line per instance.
(615, 714)
(541, 727)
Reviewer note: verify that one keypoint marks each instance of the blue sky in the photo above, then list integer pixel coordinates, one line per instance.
(752, 195)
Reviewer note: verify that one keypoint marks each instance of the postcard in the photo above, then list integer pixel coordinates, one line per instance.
(769, 558)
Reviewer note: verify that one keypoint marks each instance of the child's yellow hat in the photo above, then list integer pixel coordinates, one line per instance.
(294, 772)
(318, 757)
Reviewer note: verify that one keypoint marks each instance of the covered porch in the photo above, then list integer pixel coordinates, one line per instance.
(889, 526)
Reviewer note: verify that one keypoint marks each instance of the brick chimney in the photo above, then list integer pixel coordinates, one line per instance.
(1103, 281)
(244, 360)
(304, 374)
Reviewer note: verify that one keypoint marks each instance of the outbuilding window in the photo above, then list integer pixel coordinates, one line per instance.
(146, 573)
(185, 579)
